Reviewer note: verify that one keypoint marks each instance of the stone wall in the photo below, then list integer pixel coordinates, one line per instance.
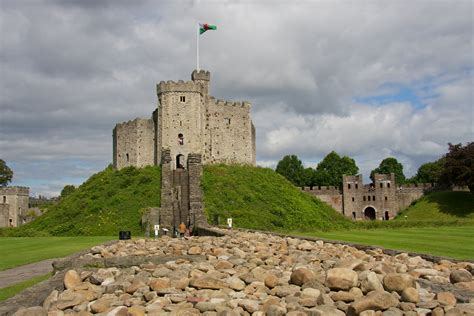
(134, 143)
(4, 215)
(187, 120)
(17, 199)
(228, 133)
(330, 195)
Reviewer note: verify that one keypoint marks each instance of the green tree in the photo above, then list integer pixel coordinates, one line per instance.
(310, 177)
(292, 168)
(429, 172)
(331, 169)
(6, 174)
(389, 165)
(68, 189)
(458, 167)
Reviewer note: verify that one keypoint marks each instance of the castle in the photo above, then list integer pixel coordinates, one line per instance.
(187, 120)
(13, 206)
(189, 128)
(382, 199)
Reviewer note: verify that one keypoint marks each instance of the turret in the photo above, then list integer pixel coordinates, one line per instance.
(203, 78)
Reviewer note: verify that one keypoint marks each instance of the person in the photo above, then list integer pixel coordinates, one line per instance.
(182, 229)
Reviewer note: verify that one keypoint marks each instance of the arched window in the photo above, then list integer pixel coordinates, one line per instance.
(180, 139)
(180, 161)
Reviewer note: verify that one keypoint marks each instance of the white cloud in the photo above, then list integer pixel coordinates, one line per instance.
(70, 70)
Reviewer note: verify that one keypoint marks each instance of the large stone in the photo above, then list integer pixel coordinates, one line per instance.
(31, 311)
(69, 299)
(460, 275)
(118, 311)
(324, 310)
(341, 278)
(377, 300)
(72, 279)
(236, 283)
(159, 284)
(208, 283)
(136, 310)
(410, 295)
(271, 281)
(446, 299)
(398, 282)
(301, 276)
(276, 310)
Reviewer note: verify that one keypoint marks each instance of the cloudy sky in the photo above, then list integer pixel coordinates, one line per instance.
(368, 79)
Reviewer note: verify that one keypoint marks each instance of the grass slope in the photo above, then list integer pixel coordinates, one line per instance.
(260, 198)
(106, 203)
(441, 206)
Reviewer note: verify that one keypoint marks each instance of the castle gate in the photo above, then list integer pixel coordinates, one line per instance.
(369, 213)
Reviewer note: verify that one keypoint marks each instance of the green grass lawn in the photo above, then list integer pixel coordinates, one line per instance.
(16, 251)
(12, 290)
(454, 241)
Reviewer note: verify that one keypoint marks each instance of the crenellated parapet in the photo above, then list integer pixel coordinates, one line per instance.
(322, 190)
(225, 103)
(201, 75)
(14, 190)
(178, 86)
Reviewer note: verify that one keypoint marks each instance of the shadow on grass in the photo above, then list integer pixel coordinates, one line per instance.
(460, 204)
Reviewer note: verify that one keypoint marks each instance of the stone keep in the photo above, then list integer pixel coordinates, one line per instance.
(13, 205)
(187, 120)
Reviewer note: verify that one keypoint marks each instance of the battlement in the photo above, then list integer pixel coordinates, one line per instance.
(320, 190)
(226, 103)
(179, 86)
(131, 122)
(17, 190)
(201, 75)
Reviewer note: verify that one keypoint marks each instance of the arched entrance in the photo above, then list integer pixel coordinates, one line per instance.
(369, 213)
(387, 217)
(180, 161)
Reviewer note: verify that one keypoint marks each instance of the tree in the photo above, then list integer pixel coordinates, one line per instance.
(331, 169)
(429, 172)
(292, 168)
(6, 174)
(389, 165)
(68, 189)
(458, 167)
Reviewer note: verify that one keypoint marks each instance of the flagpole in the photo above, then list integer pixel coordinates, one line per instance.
(197, 47)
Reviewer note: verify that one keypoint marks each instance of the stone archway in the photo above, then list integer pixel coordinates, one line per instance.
(387, 216)
(370, 213)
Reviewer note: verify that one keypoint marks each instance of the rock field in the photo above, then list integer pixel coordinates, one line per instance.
(260, 274)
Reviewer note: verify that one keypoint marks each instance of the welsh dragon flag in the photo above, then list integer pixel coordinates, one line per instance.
(206, 27)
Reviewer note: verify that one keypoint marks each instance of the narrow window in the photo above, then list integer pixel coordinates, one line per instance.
(180, 139)
(353, 199)
(357, 186)
(128, 158)
(373, 198)
(4, 199)
(381, 185)
(386, 199)
(348, 185)
(388, 184)
(182, 98)
(368, 198)
(363, 199)
(227, 121)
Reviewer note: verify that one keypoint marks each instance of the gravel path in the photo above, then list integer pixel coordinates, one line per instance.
(26, 272)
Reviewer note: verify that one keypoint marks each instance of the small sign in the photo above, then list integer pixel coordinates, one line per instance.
(229, 222)
(157, 227)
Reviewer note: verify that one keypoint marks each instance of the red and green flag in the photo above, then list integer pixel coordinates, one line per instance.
(206, 27)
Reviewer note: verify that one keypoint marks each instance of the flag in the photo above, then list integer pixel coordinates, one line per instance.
(205, 27)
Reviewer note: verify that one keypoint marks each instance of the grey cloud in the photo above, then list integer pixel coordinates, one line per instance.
(70, 70)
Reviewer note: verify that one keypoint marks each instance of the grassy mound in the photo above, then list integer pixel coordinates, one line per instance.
(106, 203)
(441, 206)
(260, 198)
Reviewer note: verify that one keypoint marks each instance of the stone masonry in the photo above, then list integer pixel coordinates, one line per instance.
(382, 199)
(13, 206)
(187, 121)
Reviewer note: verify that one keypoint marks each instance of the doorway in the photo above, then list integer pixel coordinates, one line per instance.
(369, 213)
